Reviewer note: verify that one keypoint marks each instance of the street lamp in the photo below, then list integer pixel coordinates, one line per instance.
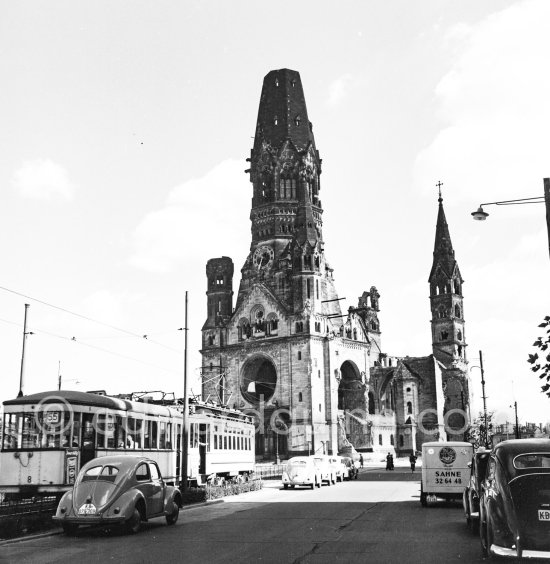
(481, 215)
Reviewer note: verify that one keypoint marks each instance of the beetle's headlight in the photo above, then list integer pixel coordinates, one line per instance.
(63, 510)
(116, 510)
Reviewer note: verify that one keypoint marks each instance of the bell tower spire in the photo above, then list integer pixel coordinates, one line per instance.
(446, 299)
(286, 251)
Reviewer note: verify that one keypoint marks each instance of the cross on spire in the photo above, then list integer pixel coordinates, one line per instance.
(439, 184)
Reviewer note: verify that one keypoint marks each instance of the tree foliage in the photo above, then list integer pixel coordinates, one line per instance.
(478, 432)
(540, 361)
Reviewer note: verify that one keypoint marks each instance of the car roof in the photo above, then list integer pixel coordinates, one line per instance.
(514, 447)
(124, 461)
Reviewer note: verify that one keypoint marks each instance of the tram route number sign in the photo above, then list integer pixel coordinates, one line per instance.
(52, 417)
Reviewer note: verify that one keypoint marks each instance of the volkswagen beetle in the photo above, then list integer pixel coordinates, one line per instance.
(514, 516)
(113, 490)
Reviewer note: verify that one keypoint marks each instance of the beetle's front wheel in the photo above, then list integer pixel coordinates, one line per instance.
(133, 524)
(173, 517)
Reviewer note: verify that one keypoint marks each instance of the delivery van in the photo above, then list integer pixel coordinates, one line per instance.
(445, 470)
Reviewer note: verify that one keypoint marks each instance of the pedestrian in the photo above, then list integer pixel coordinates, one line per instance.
(391, 462)
(388, 461)
(361, 460)
(412, 460)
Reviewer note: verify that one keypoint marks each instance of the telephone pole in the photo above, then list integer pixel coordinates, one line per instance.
(21, 374)
(185, 426)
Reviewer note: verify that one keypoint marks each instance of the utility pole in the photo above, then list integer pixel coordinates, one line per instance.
(21, 374)
(185, 426)
(486, 437)
(547, 201)
(59, 375)
(518, 434)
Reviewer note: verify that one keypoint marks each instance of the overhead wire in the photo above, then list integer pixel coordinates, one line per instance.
(75, 340)
(131, 333)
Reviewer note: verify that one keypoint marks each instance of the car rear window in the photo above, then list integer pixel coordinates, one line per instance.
(532, 460)
(105, 473)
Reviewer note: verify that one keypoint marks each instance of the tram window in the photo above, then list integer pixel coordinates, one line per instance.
(75, 441)
(162, 435)
(154, 433)
(225, 442)
(134, 433)
(10, 431)
(110, 431)
(88, 438)
(147, 434)
(169, 435)
(215, 442)
(120, 433)
(101, 429)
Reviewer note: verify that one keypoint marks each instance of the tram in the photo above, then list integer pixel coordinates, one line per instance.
(48, 436)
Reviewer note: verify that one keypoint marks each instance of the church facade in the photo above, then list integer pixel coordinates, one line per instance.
(316, 378)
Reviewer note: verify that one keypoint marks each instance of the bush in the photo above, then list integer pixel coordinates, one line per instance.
(195, 495)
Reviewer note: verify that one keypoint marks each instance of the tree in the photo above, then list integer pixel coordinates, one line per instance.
(541, 364)
(478, 433)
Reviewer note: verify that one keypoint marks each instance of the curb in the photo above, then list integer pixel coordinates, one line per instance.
(59, 531)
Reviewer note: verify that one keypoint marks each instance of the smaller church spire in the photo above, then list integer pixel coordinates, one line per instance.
(444, 254)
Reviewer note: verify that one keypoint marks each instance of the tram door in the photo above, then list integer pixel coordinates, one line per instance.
(87, 448)
(203, 441)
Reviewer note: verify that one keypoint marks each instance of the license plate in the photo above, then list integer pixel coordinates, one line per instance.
(87, 509)
(544, 515)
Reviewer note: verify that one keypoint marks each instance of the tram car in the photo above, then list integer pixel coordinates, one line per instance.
(47, 437)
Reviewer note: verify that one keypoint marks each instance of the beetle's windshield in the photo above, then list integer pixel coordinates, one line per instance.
(532, 460)
(107, 473)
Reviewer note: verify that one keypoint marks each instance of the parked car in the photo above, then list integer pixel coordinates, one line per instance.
(514, 518)
(470, 497)
(301, 471)
(121, 489)
(351, 468)
(326, 468)
(338, 468)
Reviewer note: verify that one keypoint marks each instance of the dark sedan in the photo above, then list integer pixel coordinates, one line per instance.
(119, 489)
(470, 498)
(515, 500)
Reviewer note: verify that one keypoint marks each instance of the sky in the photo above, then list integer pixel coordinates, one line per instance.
(125, 129)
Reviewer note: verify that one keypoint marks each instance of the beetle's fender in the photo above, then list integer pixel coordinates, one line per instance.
(171, 495)
(127, 503)
(65, 502)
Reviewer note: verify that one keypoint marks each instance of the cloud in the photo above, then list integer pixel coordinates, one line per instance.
(338, 89)
(42, 179)
(493, 103)
(203, 217)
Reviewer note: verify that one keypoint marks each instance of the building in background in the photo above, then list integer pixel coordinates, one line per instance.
(316, 377)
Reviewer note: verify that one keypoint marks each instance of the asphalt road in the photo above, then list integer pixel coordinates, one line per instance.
(377, 518)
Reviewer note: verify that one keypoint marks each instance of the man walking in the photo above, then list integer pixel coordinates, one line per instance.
(412, 460)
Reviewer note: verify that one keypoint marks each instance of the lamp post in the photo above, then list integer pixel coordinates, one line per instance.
(481, 215)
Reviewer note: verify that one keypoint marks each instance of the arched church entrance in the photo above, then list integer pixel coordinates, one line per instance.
(353, 406)
(258, 385)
